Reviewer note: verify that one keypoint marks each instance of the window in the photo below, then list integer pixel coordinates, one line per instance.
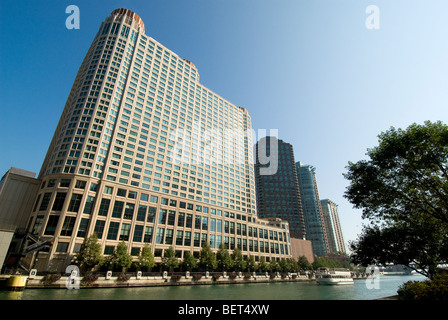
(113, 231)
(51, 225)
(59, 201)
(151, 214)
(108, 190)
(129, 211)
(159, 235)
(189, 221)
(187, 240)
(89, 204)
(118, 209)
(124, 233)
(38, 224)
(65, 183)
(67, 227)
(204, 223)
(74, 203)
(154, 199)
(148, 235)
(138, 233)
(180, 219)
(62, 247)
(141, 213)
(162, 216)
(99, 228)
(104, 207)
(80, 184)
(179, 237)
(82, 230)
(171, 217)
(197, 239)
(121, 192)
(169, 236)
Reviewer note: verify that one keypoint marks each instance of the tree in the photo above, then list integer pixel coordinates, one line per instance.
(189, 261)
(262, 265)
(207, 258)
(238, 260)
(169, 259)
(274, 266)
(146, 258)
(250, 263)
(403, 190)
(293, 265)
(90, 253)
(223, 258)
(121, 257)
(304, 264)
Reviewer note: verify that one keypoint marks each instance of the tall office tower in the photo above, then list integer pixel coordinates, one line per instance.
(333, 226)
(278, 194)
(312, 210)
(144, 153)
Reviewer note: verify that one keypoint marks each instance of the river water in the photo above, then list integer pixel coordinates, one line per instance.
(362, 289)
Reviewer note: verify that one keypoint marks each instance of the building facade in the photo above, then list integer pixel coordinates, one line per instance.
(144, 153)
(333, 226)
(278, 194)
(18, 189)
(312, 210)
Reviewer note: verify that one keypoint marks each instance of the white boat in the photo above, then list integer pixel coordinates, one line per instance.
(334, 276)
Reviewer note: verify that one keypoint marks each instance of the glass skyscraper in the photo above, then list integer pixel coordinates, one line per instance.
(312, 210)
(144, 153)
(278, 194)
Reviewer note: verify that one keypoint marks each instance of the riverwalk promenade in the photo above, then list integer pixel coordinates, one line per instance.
(141, 279)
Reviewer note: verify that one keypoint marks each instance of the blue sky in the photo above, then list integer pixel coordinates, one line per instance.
(310, 69)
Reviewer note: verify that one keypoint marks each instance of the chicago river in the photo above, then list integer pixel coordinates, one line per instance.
(362, 289)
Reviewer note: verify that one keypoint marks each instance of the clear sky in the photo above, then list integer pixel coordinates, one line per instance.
(310, 69)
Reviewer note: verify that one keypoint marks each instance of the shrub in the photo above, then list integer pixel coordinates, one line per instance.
(216, 277)
(247, 276)
(90, 278)
(175, 277)
(123, 277)
(272, 276)
(197, 276)
(435, 289)
(232, 276)
(51, 277)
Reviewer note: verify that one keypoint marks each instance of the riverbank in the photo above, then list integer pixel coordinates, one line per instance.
(118, 280)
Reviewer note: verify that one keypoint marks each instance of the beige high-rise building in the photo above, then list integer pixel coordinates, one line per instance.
(333, 226)
(144, 153)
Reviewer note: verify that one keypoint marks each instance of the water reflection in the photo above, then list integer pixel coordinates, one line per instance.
(388, 286)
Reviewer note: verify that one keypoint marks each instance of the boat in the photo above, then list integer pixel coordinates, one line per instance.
(334, 276)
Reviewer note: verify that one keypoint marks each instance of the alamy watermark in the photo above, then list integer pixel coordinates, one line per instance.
(73, 280)
(373, 277)
(373, 18)
(73, 20)
(228, 146)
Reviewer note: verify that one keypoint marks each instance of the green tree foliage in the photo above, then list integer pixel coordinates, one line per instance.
(250, 264)
(238, 261)
(121, 258)
(189, 262)
(207, 258)
(304, 264)
(146, 258)
(403, 190)
(169, 259)
(429, 290)
(223, 258)
(89, 255)
(262, 265)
